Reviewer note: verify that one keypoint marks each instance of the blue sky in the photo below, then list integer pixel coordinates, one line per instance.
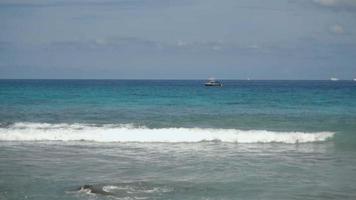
(178, 39)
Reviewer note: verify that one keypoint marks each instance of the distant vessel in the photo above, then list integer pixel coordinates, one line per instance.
(334, 79)
(354, 79)
(213, 82)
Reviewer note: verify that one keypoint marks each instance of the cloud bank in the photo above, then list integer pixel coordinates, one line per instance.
(279, 39)
(338, 4)
(337, 29)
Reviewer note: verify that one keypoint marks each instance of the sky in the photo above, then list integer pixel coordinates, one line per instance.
(177, 39)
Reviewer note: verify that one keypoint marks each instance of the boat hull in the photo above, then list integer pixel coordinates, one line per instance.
(213, 84)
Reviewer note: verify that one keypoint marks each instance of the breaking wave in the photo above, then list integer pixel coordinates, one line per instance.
(130, 133)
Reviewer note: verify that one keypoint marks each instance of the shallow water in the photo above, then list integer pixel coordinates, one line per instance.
(207, 170)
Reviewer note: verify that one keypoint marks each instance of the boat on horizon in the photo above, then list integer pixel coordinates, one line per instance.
(334, 79)
(213, 82)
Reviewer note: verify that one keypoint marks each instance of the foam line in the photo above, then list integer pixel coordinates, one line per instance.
(129, 133)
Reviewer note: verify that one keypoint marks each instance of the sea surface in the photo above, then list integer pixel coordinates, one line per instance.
(177, 139)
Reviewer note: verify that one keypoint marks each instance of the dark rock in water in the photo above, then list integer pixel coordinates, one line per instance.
(95, 189)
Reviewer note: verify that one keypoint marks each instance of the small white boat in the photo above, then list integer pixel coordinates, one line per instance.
(213, 82)
(334, 79)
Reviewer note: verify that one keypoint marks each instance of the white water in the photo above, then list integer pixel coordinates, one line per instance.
(129, 133)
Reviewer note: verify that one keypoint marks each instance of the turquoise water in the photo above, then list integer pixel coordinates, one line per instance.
(146, 139)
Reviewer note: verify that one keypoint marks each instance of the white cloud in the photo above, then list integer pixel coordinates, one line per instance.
(182, 43)
(337, 3)
(101, 41)
(326, 2)
(254, 46)
(337, 29)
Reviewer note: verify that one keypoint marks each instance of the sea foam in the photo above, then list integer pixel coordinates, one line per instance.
(130, 133)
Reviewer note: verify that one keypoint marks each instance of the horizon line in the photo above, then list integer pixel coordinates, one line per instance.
(169, 79)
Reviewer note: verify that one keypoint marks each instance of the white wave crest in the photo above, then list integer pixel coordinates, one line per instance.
(129, 133)
(109, 188)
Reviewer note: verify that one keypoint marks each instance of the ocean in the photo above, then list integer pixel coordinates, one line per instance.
(177, 139)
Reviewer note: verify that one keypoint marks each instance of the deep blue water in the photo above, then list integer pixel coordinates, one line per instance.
(244, 140)
(284, 105)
